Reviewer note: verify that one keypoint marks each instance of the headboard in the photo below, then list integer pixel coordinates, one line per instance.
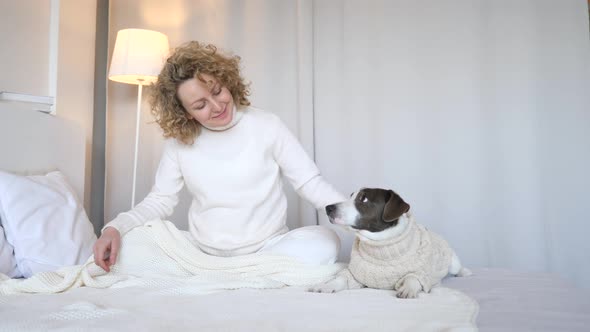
(33, 143)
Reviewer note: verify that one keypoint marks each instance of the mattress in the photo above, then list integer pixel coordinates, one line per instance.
(518, 301)
(508, 301)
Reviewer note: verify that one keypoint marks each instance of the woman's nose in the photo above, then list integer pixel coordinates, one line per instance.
(216, 105)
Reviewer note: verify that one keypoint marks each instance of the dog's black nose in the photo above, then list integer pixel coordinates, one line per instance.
(330, 209)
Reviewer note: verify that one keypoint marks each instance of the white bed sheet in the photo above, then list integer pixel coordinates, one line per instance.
(509, 301)
(517, 301)
(287, 309)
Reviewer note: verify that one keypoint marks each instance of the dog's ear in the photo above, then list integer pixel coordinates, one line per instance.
(395, 207)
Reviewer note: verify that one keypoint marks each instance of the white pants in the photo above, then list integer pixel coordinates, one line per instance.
(315, 245)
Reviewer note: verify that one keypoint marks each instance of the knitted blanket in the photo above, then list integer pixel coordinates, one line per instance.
(159, 251)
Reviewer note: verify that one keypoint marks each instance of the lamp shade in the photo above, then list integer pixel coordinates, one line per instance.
(138, 56)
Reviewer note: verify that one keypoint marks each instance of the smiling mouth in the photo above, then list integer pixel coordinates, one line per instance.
(221, 114)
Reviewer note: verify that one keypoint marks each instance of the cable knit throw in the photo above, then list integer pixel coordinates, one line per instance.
(158, 251)
(417, 252)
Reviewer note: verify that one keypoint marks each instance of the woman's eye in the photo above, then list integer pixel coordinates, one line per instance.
(217, 92)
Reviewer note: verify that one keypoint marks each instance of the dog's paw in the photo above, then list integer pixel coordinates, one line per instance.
(332, 286)
(323, 288)
(409, 289)
(464, 272)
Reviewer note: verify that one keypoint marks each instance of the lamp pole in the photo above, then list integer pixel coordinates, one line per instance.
(137, 117)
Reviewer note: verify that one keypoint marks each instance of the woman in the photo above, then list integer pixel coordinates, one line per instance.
(231, 157)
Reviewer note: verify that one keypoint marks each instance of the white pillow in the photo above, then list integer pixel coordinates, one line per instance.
(44, 222)
(7, 260)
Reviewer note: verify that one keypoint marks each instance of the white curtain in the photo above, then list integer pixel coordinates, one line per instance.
(476, 112)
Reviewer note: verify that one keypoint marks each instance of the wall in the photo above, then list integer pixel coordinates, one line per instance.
(32, 19)
(74, 86)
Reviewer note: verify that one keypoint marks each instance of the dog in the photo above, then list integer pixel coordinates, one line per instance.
(390, 250)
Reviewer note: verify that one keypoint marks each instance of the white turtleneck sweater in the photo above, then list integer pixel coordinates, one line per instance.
(234, 176)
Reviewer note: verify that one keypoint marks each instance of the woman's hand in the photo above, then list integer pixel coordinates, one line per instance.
(106, 248)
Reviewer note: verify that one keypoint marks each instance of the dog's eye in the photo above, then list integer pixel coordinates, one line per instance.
(362, 198)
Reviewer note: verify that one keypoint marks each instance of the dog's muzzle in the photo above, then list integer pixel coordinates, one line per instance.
(330, 209)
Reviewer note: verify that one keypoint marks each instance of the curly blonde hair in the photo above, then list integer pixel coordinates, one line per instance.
(188, 61)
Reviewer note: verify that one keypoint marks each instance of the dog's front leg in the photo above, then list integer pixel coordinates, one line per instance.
(408, 287)
(335, 285)
(344, 280)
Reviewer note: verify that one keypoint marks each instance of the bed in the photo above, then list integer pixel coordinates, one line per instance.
(508, 301)
(489, 300)
(168, 284)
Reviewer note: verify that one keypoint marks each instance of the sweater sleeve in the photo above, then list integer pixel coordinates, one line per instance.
(300, 170)
(160, 202)
(320, 193)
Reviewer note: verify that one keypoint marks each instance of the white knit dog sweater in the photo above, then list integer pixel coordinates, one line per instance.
(416, 252)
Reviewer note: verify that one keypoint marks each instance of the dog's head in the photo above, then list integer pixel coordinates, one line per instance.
(370, 209)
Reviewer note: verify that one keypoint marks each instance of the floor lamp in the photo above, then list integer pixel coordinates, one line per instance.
(137, 59)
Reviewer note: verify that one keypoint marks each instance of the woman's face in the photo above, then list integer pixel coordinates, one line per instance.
(207, 102)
